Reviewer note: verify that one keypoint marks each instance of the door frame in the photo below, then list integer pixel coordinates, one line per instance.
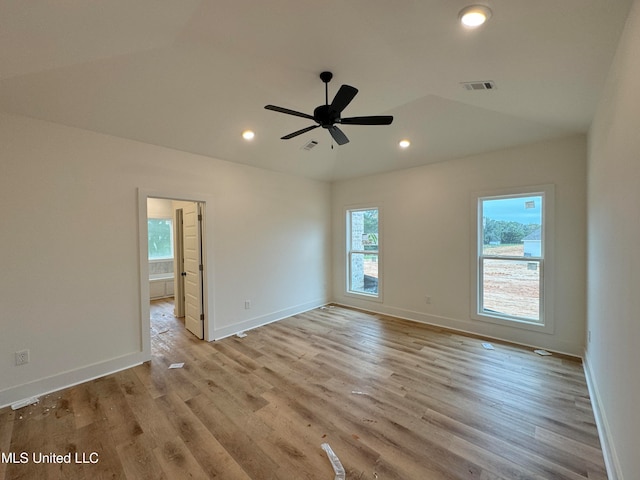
(143, 254)
(178, 264)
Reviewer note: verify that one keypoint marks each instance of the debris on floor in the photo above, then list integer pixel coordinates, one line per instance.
(488, 346)
(335, 462)
(241, 334)
(176, 365)
(544, 353)
(25, 403)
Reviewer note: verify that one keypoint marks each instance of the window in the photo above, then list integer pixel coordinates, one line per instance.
(363, 255)
(512, 258)
(160, 238)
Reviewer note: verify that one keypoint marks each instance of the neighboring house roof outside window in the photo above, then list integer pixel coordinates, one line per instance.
(535, 235)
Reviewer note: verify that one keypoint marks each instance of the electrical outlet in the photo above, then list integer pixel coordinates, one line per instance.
(22, 357)
(247, 304)
(427, 299)
(589, 336)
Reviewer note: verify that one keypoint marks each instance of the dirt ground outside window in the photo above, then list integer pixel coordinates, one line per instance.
(511, 288)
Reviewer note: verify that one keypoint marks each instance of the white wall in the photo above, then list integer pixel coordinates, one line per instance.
(613, 307)
(70, 284)
(159, 208)
(426, 243)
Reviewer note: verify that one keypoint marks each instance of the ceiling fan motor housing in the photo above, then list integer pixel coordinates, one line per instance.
(325, 116)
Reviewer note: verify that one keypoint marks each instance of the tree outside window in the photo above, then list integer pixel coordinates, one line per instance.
(160, 232)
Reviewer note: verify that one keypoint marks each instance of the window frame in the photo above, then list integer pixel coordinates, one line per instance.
(545, 261)
(349, 252)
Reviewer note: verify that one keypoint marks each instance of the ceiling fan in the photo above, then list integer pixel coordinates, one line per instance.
(327, 115)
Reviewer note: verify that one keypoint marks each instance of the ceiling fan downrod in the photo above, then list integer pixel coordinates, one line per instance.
(326, 78)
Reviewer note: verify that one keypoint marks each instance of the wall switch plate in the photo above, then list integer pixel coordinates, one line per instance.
(247, 304)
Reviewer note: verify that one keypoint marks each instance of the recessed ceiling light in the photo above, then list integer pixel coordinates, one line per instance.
(248, 134)
(474, 15)
(404, 143)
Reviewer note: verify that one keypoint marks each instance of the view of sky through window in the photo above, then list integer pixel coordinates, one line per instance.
(526, 210)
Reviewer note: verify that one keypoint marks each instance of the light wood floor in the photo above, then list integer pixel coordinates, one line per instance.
(393, 399)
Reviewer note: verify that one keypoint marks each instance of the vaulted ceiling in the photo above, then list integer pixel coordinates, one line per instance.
(193, 74)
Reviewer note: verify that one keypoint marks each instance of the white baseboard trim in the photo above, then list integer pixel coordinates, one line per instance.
(220, 333)
(606, 442)
(54, 383)
(462, 326)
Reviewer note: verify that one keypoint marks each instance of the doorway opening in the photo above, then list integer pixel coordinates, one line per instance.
(176, 268)
(173, 262)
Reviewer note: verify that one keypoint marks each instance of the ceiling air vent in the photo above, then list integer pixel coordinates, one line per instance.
(486, 85)
(309, 145)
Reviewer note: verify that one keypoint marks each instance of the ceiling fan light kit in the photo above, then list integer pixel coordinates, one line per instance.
(328, 115)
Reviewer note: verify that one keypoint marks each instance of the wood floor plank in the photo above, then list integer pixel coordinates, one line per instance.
(123, 424)
(176, 460)
(95, 439)
(6, 431)
(152, 378)
(299, 440)
(395, 399)
(153, 423)
(588, 454)
(214, 459)
(241, 447)
(138, 459)
(488, 450)
(85, 406)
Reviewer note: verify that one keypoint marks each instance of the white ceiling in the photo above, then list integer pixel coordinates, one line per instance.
(193, 74)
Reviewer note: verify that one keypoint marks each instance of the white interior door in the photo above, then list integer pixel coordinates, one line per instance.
(193, 269)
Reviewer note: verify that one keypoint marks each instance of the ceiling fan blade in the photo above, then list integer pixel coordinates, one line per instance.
(343, 98)
(372, 120)
(338, 135)
(288, 112)
(299, 132)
